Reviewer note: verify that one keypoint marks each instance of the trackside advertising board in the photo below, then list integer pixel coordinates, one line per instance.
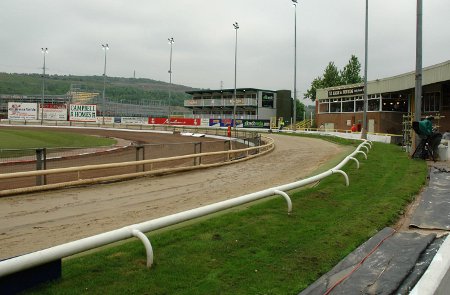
(22, 111)
(256, 124)
(134, 120)
(175, 121)
(107, 120)
(225, 122)
(53, 112)
(83, 112)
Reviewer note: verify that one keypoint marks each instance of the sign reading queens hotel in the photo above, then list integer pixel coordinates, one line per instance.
(346, 91)
(83, 112)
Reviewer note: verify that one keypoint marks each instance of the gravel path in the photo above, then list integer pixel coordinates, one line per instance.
(40, 220)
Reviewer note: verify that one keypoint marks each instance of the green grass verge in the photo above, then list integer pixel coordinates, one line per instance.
(32, 139)
(261, 250)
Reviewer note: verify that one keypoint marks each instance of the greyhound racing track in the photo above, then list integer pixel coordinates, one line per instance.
(36, 221)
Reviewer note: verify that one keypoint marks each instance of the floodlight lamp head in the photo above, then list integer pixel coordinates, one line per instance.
(105, 46)
(294, 2)
(236, 25)
(171, 41)
(44, 50)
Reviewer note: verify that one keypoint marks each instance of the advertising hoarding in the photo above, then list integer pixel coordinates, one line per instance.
(175, 121)
(267, 100)
(256, 124)
(134, 120)
(83, 112)
(225, 122)
(107, 120)
(53, 112)
(22, 111)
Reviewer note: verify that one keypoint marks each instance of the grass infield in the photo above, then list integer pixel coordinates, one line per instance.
(258, 249)
(32, 139)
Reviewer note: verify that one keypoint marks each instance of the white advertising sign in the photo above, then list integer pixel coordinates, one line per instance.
(134, 120)
(205, 122)
(22, 111)
(83, 112)
(107, 120)
(53, 112)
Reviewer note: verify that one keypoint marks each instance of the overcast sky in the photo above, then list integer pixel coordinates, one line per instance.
(203, 52)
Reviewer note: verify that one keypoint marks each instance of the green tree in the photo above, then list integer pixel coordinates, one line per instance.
(352, 72)
(317, 83)
(333, 77)
(300, 110)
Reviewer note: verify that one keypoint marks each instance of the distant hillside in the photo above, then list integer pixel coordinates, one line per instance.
(116, 88)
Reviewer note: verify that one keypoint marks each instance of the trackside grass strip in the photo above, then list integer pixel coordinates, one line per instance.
(260, 249)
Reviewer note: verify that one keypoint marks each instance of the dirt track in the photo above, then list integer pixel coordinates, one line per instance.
(41, 220)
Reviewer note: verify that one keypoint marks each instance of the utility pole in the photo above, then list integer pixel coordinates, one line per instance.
(364, 129)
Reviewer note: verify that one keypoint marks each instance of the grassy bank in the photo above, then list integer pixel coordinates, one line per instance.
(261, 250)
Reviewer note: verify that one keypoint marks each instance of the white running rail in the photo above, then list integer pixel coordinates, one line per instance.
(33, 259)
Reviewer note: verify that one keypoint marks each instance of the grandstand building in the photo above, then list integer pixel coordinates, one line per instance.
(390, 102)
(251, 103)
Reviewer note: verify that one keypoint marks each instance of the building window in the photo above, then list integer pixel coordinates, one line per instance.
(324, 107)
(348, 106)
(335, 107)
(431, 102)
(394, 105)
(373, 105)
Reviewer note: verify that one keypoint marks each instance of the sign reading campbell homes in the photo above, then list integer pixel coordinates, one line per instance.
(83, 112)
(346, 91)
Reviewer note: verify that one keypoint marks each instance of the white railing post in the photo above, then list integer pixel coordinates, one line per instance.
(286, 197)
(347, 182)
(356, 160)
(148, 246)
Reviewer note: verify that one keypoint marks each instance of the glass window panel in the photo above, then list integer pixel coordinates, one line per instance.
(348, 106)
(324, 107)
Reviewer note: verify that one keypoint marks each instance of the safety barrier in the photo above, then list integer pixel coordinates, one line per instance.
(137, 230)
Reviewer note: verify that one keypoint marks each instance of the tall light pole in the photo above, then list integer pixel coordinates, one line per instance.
(366, 49)
(418, 86)
(44, 52)
(236, 27)
(294, 111)
(105, 48)
(171, 41)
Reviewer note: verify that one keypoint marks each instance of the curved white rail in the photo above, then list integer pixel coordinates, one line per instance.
(47, 255)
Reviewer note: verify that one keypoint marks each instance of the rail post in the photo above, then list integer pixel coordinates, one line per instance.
(140, 150)
(197, 160)
(41, 164)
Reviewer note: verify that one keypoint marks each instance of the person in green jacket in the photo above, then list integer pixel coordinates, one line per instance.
(426, 126)
(426, 129)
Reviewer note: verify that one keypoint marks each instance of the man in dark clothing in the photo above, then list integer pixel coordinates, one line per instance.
(432, 137)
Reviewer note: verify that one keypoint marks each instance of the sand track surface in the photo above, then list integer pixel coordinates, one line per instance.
(40, 220)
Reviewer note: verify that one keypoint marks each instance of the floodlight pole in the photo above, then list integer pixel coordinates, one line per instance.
(105, 48)
(294, 112)
(236, 27)
(171, 41)
(418, 89)
(366, 47)
(44, 52)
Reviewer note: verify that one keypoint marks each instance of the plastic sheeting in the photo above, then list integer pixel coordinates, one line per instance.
(379, 266)
(433, 211)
